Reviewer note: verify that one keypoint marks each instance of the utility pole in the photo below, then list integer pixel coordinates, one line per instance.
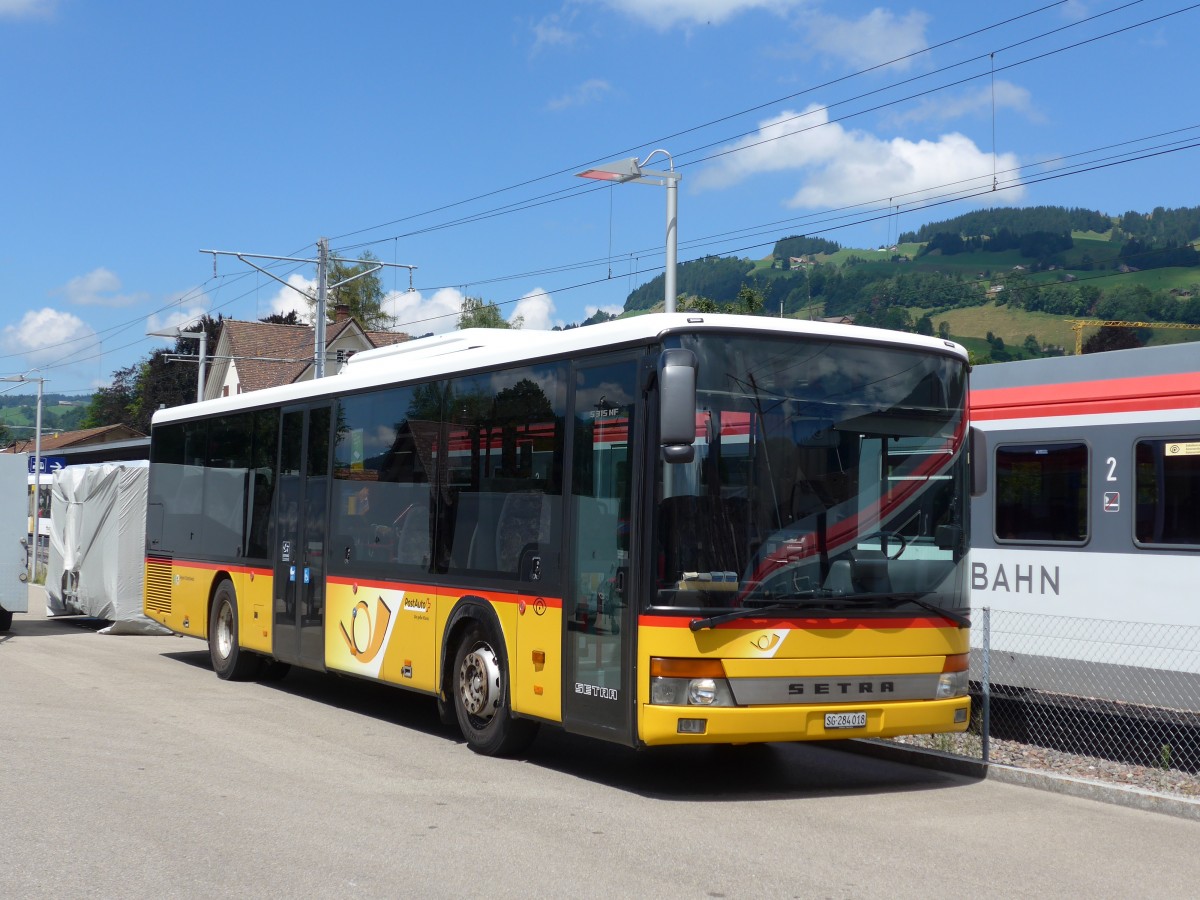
(322, 262)
(322, 299)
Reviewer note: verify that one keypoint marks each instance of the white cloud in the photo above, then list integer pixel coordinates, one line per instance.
(591, 91)
(536, 309)
(27, 9)
(840, 167)
(417, 314)
(46, 336)
(289, 299)
(99, 287)
(878, 36)
(977, 101)
(666, 14)
(552, 31)
(176, 318)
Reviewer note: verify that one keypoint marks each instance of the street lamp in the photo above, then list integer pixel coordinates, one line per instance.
(631, 170)
(202, 336)
(31, 554)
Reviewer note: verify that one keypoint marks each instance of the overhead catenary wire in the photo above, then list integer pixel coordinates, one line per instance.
(517, 206)
(681, 157)
(717, 121)
(872, 218)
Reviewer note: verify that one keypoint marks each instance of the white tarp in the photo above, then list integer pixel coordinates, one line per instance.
(14, 531)
(98, 545)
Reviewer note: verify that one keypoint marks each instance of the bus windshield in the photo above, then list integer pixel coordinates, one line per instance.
(828, 477)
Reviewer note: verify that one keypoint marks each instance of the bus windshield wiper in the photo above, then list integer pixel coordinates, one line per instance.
(808, 601)
(746, 612)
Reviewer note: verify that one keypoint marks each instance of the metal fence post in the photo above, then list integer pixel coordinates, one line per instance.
(985, 683)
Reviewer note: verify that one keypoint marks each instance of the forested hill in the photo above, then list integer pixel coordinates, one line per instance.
(986, 278)
(1161, 226)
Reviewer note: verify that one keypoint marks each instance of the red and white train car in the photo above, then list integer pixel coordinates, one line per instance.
(1092, 500)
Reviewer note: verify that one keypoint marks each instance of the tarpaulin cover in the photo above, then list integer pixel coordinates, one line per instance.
(98, 545)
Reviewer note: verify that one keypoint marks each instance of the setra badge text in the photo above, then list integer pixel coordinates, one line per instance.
(594, 690)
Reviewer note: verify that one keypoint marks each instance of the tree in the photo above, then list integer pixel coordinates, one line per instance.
(110, 405)
(290, 318)
(363, 296)
(164, 378)
(1032, 347)
(476, 312)
(749, 301)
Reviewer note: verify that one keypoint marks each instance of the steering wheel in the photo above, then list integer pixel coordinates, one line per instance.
(890, 535)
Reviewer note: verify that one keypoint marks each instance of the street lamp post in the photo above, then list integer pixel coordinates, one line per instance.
(202, 336)
(631, 170)
(31, 553)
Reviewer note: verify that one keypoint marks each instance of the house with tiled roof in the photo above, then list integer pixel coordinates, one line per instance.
(251, 356)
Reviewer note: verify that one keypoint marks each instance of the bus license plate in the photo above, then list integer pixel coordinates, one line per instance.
(846, 720)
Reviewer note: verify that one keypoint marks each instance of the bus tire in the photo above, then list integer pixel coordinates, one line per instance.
(481, 695)
(5, 620)
(229, 660)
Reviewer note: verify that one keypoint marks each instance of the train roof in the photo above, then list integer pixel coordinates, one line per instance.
(1170, 359)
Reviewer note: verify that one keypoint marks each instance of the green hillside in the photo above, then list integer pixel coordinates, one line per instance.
(1006, 285)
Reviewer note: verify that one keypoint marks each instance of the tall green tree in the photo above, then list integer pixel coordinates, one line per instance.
(363, 295)
(110, 404)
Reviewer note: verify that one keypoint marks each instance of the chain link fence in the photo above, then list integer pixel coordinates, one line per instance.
(1084, 696)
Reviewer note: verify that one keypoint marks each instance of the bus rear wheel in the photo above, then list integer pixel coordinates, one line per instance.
(229, 660)
(481, 696)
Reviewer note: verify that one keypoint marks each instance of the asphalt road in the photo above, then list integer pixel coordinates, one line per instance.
(127, 769)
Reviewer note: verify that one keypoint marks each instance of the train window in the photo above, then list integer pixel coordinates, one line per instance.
(1041, 493)
(1167, 491)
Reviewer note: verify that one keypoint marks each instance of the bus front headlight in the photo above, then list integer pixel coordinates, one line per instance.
(689, 682)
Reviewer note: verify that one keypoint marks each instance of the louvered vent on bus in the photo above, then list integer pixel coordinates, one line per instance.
(158, 586)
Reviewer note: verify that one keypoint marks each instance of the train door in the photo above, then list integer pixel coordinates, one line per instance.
(300, 525)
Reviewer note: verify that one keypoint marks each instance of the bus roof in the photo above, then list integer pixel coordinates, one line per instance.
(440, 356)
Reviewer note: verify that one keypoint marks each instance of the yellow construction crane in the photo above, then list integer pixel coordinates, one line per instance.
(1077, 325)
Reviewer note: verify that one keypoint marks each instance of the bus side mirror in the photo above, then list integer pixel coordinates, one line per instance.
(677, 405)
(977, 459)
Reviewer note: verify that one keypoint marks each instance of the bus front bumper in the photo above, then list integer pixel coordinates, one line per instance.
(662, 725)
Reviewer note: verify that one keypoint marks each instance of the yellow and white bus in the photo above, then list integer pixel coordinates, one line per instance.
(662, 530)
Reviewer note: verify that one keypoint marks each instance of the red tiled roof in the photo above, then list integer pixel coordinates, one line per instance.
(105, 434)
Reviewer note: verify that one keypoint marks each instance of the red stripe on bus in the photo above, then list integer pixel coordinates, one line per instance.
(495, 597)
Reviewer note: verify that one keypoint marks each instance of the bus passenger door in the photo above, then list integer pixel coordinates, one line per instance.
(300, 523)
(599, 603)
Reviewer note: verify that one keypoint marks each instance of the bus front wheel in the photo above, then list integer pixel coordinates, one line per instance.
(481, 696)
(229, 661)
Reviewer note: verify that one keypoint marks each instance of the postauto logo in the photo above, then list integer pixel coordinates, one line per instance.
(367, 629)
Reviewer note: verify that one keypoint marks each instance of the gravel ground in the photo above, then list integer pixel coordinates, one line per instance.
(1170, 782)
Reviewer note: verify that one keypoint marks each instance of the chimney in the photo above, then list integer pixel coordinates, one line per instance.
(341, 312)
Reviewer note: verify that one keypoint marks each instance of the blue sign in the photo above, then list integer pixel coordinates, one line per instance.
(49, 464)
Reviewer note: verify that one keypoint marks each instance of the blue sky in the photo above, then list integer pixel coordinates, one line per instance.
(138, 133)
